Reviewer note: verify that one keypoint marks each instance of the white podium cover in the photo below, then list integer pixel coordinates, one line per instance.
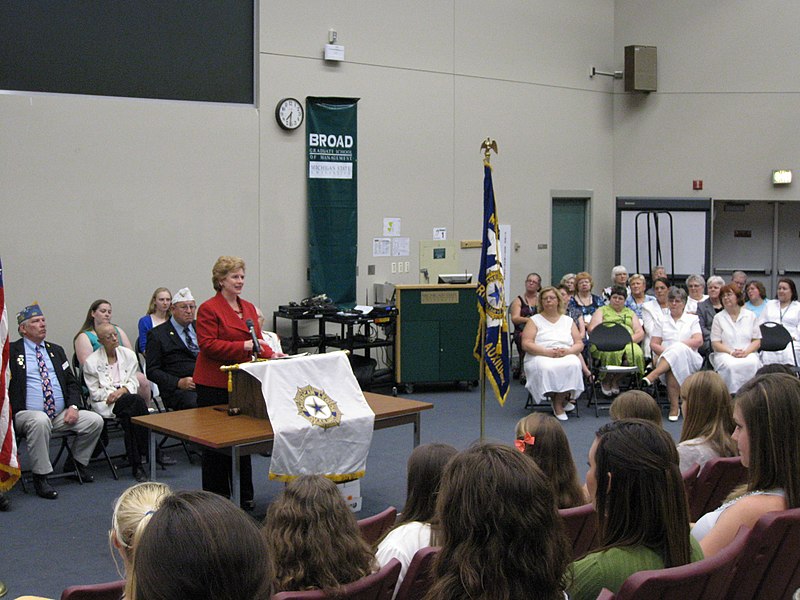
(322, 422)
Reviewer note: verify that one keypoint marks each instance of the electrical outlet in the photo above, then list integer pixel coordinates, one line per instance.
(408, 264)
(394, 267)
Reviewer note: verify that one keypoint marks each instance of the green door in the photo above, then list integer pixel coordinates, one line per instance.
(568, 248)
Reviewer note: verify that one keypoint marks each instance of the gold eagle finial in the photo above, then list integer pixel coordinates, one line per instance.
(487, 146)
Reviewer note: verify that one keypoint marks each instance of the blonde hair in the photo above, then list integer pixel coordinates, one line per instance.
(562, 307)
(132, 512)
(223, 266)
(151, 308)
(636, 404)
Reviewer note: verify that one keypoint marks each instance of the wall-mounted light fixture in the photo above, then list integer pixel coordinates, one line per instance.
(781, 177)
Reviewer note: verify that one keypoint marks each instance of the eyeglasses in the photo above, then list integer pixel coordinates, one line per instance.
(184, 307)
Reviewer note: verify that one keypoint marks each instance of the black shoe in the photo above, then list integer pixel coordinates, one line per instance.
(164, 460)
(43, 487)
(5, 503)
(86, 474)
(248, 505)
(140, 475)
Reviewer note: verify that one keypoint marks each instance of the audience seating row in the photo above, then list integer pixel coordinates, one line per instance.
(761, 563)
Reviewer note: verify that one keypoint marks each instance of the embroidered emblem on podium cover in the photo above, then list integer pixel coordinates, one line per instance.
(319, 409)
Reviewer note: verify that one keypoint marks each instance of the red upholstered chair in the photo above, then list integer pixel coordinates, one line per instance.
(417, 580)
(99, 591)
(377, 586)
(372, 528)
(703, 580)
(581, 526)
(689, 479)
(769, 566)
(716, 480)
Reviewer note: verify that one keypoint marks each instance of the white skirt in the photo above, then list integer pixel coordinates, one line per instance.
(683, 361)
(782, 357)
(735, 372)
(547, 375)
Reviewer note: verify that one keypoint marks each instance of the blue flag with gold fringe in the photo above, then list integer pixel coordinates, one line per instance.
(492, 299)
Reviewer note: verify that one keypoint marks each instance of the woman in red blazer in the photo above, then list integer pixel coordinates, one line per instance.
(224, 338)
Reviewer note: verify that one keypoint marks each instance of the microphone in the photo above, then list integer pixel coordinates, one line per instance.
(256, 345)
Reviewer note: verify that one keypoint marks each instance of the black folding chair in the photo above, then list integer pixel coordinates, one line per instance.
(775, 338)
(609, 337)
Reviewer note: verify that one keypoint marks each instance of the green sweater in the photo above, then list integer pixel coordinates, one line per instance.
(610, 568)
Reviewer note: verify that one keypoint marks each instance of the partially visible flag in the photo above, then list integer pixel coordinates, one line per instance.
(9, 464)
(492, 299)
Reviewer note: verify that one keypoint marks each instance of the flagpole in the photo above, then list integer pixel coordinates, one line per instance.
(487, 146)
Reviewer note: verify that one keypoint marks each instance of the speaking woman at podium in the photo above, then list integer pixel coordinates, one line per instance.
(225, 335)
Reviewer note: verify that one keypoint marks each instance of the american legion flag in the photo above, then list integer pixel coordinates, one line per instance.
(322, 422)
(9, 464)
(491, 298)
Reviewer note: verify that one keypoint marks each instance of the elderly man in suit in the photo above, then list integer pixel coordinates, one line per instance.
(171, 353)
(45, 397)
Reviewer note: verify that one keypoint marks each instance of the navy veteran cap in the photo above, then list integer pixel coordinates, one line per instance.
(28, 313)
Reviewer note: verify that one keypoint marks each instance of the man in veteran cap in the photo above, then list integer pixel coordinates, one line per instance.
(171, 353)
(45, 397)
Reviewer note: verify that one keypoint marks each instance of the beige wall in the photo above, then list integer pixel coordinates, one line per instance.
(727, 102)
(113, 197)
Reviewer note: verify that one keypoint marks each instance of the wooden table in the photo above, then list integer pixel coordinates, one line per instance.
(242, 435)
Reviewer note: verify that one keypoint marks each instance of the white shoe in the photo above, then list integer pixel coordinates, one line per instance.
(562, 417)
(674, 418)
(607, 392)
(569, 407)
(646, 382)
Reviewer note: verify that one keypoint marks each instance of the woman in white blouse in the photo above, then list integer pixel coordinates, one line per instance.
(696, 285)
(653, 312)
(676, 338)
(735, 339)
(785, 309)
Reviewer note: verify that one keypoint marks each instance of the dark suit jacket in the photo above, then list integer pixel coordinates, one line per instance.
(221, 335)
(168, 358)
(18, 385)
(706, 314)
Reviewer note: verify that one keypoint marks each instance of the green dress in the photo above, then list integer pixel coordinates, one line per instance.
(624, 318)
(610, 568)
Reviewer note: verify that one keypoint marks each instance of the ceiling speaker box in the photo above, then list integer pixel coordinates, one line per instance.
(641, 74)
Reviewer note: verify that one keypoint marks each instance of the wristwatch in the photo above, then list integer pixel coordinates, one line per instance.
(75, 406)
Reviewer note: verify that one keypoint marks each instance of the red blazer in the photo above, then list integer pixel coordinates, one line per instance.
(221, 335)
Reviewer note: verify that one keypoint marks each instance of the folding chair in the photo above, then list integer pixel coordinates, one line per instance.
(108, 424)
(63, 438)
(608, 338)
(774, 338)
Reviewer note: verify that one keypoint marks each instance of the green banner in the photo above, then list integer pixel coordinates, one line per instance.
(331, 128)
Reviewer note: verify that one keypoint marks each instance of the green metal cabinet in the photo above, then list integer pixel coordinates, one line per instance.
(436, 329)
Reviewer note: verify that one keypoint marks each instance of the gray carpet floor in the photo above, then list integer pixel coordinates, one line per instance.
(46, 546)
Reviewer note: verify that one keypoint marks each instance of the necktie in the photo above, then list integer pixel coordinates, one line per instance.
(47, 388)
(189, 343)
